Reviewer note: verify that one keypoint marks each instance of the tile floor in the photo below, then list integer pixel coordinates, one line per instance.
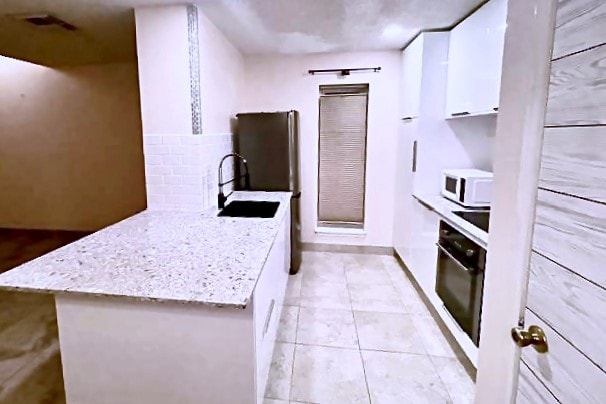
(350, 333)
(355, 330)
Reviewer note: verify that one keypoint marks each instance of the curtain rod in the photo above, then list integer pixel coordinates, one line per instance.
(345, 72)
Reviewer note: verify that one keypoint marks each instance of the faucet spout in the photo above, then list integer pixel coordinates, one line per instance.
(221, 198)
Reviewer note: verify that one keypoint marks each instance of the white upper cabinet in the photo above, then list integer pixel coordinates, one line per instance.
(475, 59)
(412, 70)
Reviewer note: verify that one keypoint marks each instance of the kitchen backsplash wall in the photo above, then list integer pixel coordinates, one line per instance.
(181, 170)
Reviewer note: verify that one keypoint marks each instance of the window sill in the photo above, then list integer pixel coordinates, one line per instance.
(340, 231)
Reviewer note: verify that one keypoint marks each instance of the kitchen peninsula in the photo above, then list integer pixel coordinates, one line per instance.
(168, 306)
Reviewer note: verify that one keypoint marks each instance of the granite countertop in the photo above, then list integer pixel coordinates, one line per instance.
(445, 208)
(186, 257)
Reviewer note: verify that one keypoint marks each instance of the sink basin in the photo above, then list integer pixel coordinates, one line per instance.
(261, 209)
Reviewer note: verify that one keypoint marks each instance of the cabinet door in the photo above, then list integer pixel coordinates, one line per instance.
(412, 65)
(489, 26)
(474, 61)
(403, 190)
(424, 252)
(458, 95)
(268, 299)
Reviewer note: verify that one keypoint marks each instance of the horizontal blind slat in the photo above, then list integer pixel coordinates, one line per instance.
(342, 158)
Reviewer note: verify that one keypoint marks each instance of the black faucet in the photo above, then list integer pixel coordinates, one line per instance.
(221, 197)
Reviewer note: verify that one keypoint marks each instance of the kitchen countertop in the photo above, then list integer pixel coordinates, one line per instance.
(186, 257)
(445, 208)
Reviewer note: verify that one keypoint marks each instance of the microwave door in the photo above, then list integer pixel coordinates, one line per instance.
(450, 185)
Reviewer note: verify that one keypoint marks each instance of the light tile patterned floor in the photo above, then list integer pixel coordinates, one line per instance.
(355, 330)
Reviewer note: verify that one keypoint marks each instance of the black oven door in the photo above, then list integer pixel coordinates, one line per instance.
(459, 284)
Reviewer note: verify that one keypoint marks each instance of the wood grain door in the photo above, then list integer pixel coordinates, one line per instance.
(567, 274)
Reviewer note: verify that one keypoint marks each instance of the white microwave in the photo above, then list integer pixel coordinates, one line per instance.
(468, 187)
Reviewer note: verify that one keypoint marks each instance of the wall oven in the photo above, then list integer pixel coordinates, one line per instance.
(460, 279)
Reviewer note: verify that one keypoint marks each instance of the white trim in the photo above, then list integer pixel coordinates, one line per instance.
(340, 231)
(524, 88)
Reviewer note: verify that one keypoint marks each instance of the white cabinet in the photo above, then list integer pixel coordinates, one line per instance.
(268, 299)
(475, 61)
(422, 136)
(424, 252)
(404, 177)
(412, 69)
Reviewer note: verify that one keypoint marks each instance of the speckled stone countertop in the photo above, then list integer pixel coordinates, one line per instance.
(445, 208)
(168, 256)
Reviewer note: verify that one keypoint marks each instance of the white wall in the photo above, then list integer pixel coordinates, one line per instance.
(282, 83)
(71, 153)
(221, 76)
(180, 166)
(162, 53)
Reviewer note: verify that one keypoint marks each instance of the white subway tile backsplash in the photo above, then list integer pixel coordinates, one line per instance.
(171, 139)
(153, 160)
(186, 190)
(157, 170)
(192, 160)
(155, 200)
(192, 180)
(186, 150)
(186, 170)
(152, 140)
(192, 140)
(172, 160)
(156, 150)
(157, 189)
(177, 199)
(181, 171)
(153, 179)
(173, 179)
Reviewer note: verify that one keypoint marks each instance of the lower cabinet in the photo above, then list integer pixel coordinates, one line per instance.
(423, 255)
(422, 258)
(268, 300)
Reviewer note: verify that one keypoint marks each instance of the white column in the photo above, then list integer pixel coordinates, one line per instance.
(176, 170)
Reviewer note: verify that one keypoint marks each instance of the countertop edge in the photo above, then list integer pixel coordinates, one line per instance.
(445, 209)
(241, 303)
(140, 299)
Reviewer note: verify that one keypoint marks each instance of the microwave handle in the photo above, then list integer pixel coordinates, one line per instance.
(414, 156)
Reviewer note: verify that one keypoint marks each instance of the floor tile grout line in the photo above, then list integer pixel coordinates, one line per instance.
(433, 365)
(292, 372)
(359, 346)
(394, 282)
(294, 353)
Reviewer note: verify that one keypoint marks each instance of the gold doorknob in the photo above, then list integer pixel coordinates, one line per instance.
(534, 336)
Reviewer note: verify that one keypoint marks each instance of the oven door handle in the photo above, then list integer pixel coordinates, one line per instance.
(456, 261)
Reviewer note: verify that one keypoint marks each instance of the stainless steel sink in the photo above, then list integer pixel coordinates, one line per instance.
(260, 209)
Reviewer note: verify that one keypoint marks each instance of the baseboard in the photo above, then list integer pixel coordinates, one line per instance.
(343, 248)
(467, 365)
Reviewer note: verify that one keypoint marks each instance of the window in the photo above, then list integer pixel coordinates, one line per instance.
(342, 155)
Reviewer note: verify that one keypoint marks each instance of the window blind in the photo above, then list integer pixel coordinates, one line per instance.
(342, 155)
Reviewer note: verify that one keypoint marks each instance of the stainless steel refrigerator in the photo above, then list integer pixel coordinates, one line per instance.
(269, 141)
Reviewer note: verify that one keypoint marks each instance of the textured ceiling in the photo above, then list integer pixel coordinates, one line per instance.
(106, 27)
